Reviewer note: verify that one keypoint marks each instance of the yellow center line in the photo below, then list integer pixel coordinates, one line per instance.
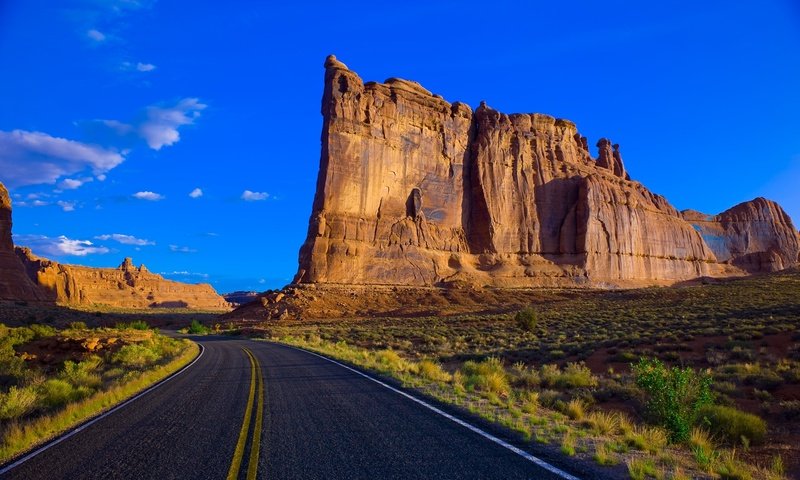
(236, 463)
(255, 446)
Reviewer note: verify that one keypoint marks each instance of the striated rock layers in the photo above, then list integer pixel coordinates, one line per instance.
(126, 286)
(14, 282)
(413, 190)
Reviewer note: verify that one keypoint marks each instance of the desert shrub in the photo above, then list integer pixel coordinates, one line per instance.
(134, 325)
(574, 375)
(734, 426)
(56, 392)
(390, 360)
(647, 439)
(604, 455)
(432, 371)
(488, 375)
(574, 409)
(641, 468)
(82, 373)
(728, 467)
(526, 319)
(674, 395)
(702, 447)
(603, 423)
(17, 402)
(77, 326)
(41, 331)
(134, 356)
(197, 328)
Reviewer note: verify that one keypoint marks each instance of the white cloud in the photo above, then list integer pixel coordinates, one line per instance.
(249, 196)
(178, 249)
(161, 125)
(66, 206)
(145, 67)
(73, 183)
(147, 195)
(31, 158)
(196, 193)
(184, 273)
(96, 35)
(62, 245)
(125, 239)
(101, 178)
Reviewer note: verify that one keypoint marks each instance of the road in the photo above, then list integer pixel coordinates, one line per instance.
(313, 419)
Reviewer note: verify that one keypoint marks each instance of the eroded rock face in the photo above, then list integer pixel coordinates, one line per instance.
(756, 236)
(413, 190)
(126, 286)
(14, 283)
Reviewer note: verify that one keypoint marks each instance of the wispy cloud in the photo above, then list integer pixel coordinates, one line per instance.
(60, 246)
(148, 195)
(138, 66)
(179, 249)
(73, 183)
(196, 193)
(66, 206)
(125, 239)
(158, 125)
(161, 126)
(96, 35)
(31, 158)
(249, 196)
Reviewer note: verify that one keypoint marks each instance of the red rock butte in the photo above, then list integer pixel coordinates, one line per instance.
(27, 278)
(414, 190)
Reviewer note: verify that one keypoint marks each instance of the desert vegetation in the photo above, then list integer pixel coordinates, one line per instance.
(697, 381)
(53, 379)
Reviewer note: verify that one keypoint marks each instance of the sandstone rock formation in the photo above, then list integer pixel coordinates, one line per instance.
(414, 190)
(14, 283)
(756, 236)
(126, 286)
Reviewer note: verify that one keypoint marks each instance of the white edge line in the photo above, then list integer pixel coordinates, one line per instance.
(96, 419)
(522, 453)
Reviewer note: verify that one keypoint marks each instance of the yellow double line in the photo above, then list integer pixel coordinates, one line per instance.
(256, 384)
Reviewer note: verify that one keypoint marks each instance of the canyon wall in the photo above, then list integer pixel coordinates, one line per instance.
(14, 282)
(126, 286)
(414, 190)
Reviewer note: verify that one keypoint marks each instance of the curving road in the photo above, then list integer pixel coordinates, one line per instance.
(308, 417)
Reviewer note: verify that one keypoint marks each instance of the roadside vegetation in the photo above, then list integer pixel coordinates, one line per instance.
(689, 382)
(51, 380)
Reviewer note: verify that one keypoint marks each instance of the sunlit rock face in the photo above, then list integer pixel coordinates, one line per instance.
(414, 190)
(14, 283)
(126, 286)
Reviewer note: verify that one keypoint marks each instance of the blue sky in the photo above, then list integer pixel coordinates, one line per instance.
(114, 112)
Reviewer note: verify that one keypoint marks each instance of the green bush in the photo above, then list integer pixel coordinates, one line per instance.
(674, 395)
(135, 356)
(17, 402)
(77, 325)
(526, 319)
(734, 426)
(134, 325)
(56, 392)
(197, 328)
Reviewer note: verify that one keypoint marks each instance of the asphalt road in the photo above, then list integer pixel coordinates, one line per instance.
(315, 420)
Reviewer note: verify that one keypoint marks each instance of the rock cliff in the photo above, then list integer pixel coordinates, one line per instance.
(126, 286)
(414, 190)
(14, 283)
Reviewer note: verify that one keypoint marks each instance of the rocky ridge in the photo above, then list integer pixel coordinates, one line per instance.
(414, 190)
(126, 286)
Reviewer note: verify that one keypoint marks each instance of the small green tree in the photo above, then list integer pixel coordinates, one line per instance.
(526, 319)
(675, 395)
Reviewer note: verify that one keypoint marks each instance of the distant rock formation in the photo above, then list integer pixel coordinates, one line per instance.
(414, 190)
(126, 286)
(240, 297)
(25, 277)
(14, 283)
(756, 236)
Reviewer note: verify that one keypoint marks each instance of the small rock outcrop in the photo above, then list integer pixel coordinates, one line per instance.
(14, 283)
(126, 286)
(414, 190)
